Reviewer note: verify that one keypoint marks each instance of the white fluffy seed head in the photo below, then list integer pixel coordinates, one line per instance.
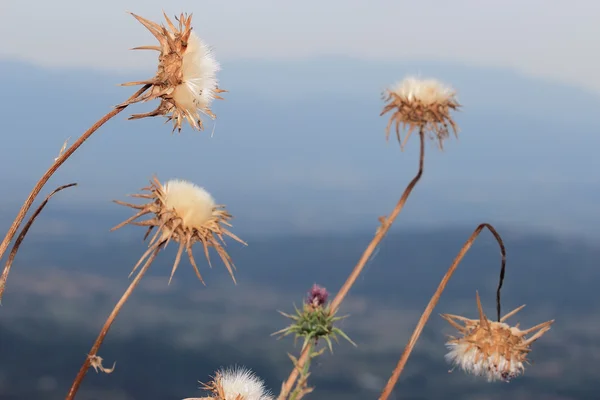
(425, 91)
(199, 69)
(236, 383)
(492, 349)
(495, 366)
(193, 204)
(242, 382)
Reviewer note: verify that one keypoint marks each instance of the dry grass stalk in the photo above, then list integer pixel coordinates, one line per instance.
(53, 168)
(185, 81)
(21, 237)
(92, 359)
(421, 104)
(186, 214)
(389, 387)
(492, 349)
(426, 107)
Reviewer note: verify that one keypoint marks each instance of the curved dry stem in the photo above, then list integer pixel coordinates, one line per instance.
(386, 223)
(436, 297)
(21, 237)
(94, 351)
(54, 167)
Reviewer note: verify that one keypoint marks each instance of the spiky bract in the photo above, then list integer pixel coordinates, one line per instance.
(186, 214)
(185, 81)
(491, 349)
(423, 105)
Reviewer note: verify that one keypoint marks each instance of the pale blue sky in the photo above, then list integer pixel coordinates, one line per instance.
(298, 141)
(547, 38)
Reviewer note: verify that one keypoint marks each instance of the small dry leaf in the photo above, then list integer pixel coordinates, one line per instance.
(96, 363)
(62, 149)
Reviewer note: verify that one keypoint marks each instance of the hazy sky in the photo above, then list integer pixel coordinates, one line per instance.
(533, 141)
(548, 38)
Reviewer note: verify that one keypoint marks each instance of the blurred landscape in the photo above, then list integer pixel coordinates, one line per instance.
(169, 337)
(298, 146)
(298, 155)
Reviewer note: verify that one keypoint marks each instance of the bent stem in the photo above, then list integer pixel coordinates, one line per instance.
(21, 237)
(93, 352)
(386, 223)
(436, 297)
(57, 163)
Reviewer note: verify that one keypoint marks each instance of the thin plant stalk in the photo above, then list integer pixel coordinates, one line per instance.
(386, 223)
(387, 391)
(103, 332)
(53, 168)
(21, 237)
(301, 389)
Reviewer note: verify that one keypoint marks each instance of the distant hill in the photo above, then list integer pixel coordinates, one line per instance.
(169, 337)
(298, 146)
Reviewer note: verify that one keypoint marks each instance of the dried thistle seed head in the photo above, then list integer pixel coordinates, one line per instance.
(424, 105)
(185, 81)
(236, 383)
(491, 349)
(186, 214)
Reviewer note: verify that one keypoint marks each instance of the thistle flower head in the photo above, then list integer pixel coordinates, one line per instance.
(491, 349)
(421, 104)
(186, 214)
(314, 321)
(236, 384)
(185, 80)
(317, 297)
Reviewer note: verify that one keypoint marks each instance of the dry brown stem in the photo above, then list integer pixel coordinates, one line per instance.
(436, 297)
(53, 168)
(386, 223)
(94, 351)
(21, 237)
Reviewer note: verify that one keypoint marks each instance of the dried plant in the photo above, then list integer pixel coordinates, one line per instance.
(489, 348)
(92, 357)
(436, 297)
(96, 363)
(63, 156)
(185, 81)
(185, 84)
(21, 237)
(186, 214)
(182, 212)
(426, 102)
(235, 384)
(421, 104)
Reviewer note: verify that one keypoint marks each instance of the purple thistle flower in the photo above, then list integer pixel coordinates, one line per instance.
(317, 296)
